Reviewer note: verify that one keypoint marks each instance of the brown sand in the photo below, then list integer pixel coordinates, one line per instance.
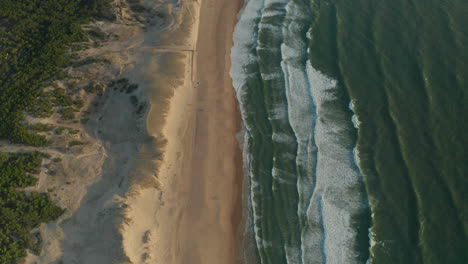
(208, 226)
(209, 173)
(193, 214)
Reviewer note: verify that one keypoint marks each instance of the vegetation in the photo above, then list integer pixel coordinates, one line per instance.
(45, 155)
(60, 98)
(88, 61)
(68, 113)
(96, 34)
(80, 46)
(39, 127)
(95, 88)
(19, 213)
(73, 131)
(75, 143)
(34, 39)
(137, 8)
(79, 103)
(134, 100)
(123, 85)
(131, 88)
(59, 130)
(42, 108)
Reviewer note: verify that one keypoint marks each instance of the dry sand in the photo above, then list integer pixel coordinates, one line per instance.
(198, 209)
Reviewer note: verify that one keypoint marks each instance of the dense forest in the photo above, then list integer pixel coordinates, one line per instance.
(35, 36)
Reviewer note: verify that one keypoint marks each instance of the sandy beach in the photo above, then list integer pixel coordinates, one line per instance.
(210, 171)
(199, 180)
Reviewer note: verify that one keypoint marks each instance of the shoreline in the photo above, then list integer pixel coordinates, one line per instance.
(210, 208)
(224, 41)
(184, 212)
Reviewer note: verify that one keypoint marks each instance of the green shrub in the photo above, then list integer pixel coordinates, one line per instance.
(60, 98)
(59, 130)
(122, 81)
(39, 127)
(36, 248)
(137, 8)
(134, 100)
(72, 85)
(68, 113)
(86, 61)
(79, 103)
(45, 155)
(131, 88)
(96, 34)
(42, 109)
(94, 88)
(75, 143)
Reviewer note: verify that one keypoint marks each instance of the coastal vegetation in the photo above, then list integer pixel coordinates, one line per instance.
(35, 37)
(20, 212)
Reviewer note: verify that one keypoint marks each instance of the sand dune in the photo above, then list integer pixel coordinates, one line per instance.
(162, 187)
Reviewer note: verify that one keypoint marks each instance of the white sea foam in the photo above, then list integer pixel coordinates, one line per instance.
(278, 112)
(303, 119)
(354, 118)
(271, 76)
(286, 156)
(283, 176)
(283, 138)
(245, 36)
(356, 157)
(328, 167)
(273, 13)
(272, 28)
(336, 176)
(261, 47)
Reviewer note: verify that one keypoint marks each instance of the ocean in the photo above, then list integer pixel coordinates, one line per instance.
(355, 117)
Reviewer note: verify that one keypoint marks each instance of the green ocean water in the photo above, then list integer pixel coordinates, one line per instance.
(356, 122)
